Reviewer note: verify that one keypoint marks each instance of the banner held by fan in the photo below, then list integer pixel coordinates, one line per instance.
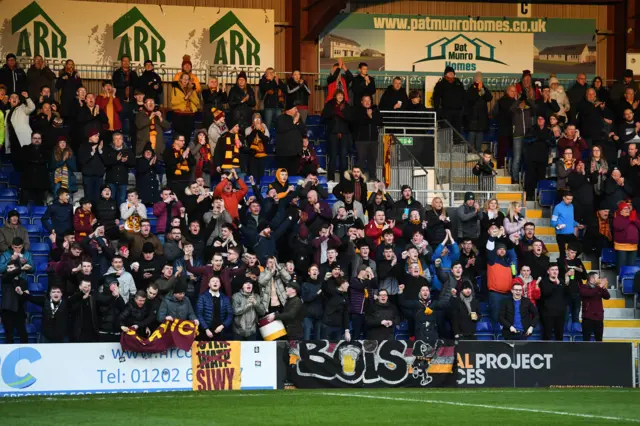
(170, 334)
(388, 141)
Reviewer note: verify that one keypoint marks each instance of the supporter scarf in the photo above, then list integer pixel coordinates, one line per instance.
(568, 164)
(182, 168)
(257, 146)
(387, 160)
(153, 132)
(604, 228)
(61, 176)
(205, 158)
(415, 222)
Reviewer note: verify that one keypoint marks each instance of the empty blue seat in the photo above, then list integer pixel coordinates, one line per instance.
(23, 211)
(38, 211)
(36, 320)
(32, 308)
(403, 326)
(627, 273)
(43, 282)
(576, 328)
(607, 258)
(37, 288)
(41, 269)
(34, 230)
(266, 180)
(546, 191)
(313, 120)
(8, 194)
(14, 179)
(40, 248)
(484, 326)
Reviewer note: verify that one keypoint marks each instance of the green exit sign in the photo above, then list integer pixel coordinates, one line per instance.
(405, 140)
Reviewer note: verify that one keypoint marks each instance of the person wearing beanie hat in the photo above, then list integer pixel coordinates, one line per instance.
(12, 76)
(449, 98)
(292, 314)
(518, 316)
(242, 100)
(83, 220)
(187, 69)
(620, 86)
(214, 97)
(177, 306)
(185, 104)
(150, 83)
(477, 112)
(217, 128)
(13, 228)
(465, 313)
(560, 96)
(404, 205)
(229, 147)
(298, 95)
(338, 114)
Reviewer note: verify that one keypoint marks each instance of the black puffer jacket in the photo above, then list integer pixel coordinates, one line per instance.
(109, 311)
(449, 95)
(477, 112)
(133, 315)
(241, 112)
(118, 171)
(313, 302)
(374, 317)
(90, 165)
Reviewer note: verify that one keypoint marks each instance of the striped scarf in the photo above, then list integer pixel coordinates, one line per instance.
(182, 168)
(231, 153)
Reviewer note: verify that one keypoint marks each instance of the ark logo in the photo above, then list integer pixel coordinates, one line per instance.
(243, 47)
(48, 39)
(461, 52)
(147, 43)
(10, 362)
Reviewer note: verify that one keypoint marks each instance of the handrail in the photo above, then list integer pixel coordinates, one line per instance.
(450, 195)
(413, 157)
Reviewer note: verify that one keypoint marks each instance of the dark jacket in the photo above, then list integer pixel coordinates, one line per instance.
(425, 327)
(34, 161)
(449, 95)
(477, 111)
(461, 321)
(146, 83)
(313, 301)
(377, 313)
(125, 80)
(402, 204)
(68, 88)
(552, 296)
(297, 93)
(212, 99)
(109, 312)
(36, 78)
(147, 181)
(592, 301)
(528, 314)
(171, 167)
(54, 325)
(289, 136)
(336, 311)
(576, 94)
(117, 171)
(360, 88)
(545, 109)
(133, 315)
(241, 112)
(590, 120)
(205, 310)
(365, 128)
(15, 80)
(391, 96)
(291, 316)
(177, 309)
(505, 116)
(106, 211)
(272, 93)
(59, 217)
(91, 162)
(88, 122)
(337, 120)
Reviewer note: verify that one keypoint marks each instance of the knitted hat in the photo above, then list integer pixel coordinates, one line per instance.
(449, 69)
(467, 284)
(500, 245)
(294, 285)
(628, 74)
(186, 59)
(92, 133)
(13, 213)
(147, 248)
(469, 196)
(181, 287)
(553, 80)
(242, 74)
(217, 114)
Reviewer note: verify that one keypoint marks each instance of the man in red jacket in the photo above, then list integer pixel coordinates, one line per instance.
(378, 225)
(230, 196)
(592, 294)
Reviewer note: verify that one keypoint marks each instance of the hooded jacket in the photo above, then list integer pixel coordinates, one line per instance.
(8, 232)
(246, 315)
(279, 185)
(125, 282)
(560, 96)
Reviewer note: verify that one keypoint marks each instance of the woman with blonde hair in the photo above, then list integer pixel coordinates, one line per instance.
(437, 222)
(491, 215)
(514, 221)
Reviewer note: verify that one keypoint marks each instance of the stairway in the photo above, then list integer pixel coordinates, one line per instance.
(619, 324)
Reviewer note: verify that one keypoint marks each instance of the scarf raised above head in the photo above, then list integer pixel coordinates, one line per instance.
(182, 168)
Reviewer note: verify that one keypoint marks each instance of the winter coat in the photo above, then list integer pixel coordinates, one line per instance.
(246, 315)
(477, 111)
(106, 212)
(133, 315)
(297, 93)
(592, 297)
(143, 129)
(365, 128)
(336, 311)
(205, 311)
(89, 121)
(272, 92)
(522, 119)
(82, 223)
(125, 81)
(504, 114)
(17, 128)
(402, 204)
(423, 313)
(338, 121)
(528, 314)
(147, 181)
(461, 321)
(160, 211)
(590, 120)
(313, 301)
(391, 96)
(8, 232)
(212, 99)
(117, 171)
(179, 104)
(339, 80)
(34, 161)
(241, 112)
(560, 96)
(468, 225)
(146, 83)
(449, 95)
(103, 102)
(377, 313)
(38, 77)
(281, 278)
(54, 325)
(626, 231)
(109, 311)
(126, 284)
(72, 168)
(91, 162)
(545, 109)
(15, 80)
(615, 193)
(177, 309)
(59, 217)
(289, 136)
(291, 316)
(552, 296)
(67, 88)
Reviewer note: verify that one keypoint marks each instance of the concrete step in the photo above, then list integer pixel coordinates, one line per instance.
(545, 230)
(622, 323)
(621, 333)
(510, 196)
(618, 314)
(540, 221)
(533, 214)
(614, 303)
(508, 187)
(503, 180)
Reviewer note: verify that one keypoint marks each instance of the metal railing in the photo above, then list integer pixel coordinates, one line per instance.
(454, 199)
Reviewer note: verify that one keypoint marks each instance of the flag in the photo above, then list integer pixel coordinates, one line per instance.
(386, 167)
(170, 334)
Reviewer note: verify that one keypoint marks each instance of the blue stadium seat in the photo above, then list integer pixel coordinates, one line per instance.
(36, 288)
(43, 282)
(403, 326)
(23, 211)
(14, 179)
(41, 269)
(484, 329)
(32, 334)
(34, 230)
(38, 211)
(313, 120)
(40, 248)
(266, 180)
(546, 192)
(36, 320)
(32, 308)
(627, 273)
(607, 259)
(8, 194)
(2, 335)
(322, 161)
(154, 223)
